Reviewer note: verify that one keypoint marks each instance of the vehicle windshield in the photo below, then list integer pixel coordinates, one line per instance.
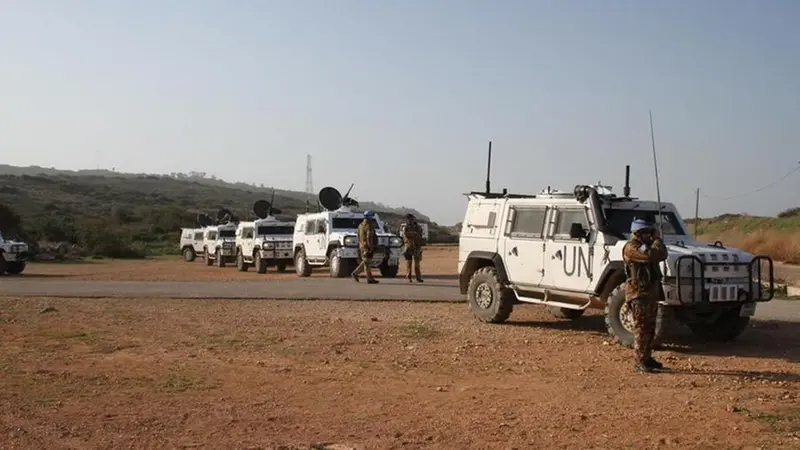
(343, 223)
(275, 230)
(227, 233)
(620, 220)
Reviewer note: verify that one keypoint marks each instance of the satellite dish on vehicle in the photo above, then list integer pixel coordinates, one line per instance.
(330, 198)
(225, 215)
(203, 220)
(261, 209)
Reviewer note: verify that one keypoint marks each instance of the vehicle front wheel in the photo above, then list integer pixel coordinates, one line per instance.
(727, 327)
(207, 258)
(219, 259)
(261, 264)
(619, 320)
(301, 264)
(240, 264)
(15, 267)
(338, 266)
(489, 300)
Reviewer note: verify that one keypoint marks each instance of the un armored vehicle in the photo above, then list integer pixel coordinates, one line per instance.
(564, 250)
(13, 256)
(330, 238)
(219, 239)
(191, 243)
(265, 241)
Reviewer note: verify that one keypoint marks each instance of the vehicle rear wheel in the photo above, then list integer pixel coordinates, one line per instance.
(15, 267)
(489, 300)
(188, 254)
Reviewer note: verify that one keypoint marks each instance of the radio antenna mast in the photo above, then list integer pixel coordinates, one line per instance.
(655, 166)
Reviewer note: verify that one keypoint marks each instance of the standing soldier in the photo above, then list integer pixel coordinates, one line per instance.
(641, 255)
(367, 240)
(412, 239)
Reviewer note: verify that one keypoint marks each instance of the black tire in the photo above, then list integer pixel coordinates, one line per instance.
(338, 266)
(565, 313)
(388, 271)
(15, 267)
(206, 258)
(188, 254)
(500, 302)
(261, 264)
(219, 258)
(301, 264)
(615, 307)
(280, 267)
(3, 265)
(241, 265)
(726, 328)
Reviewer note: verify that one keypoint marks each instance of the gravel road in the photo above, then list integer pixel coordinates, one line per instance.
(435, 289)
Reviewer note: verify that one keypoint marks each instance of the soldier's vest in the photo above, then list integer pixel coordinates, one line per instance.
(642, 276)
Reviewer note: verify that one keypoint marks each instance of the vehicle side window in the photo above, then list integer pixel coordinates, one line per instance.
(248, 233)
(321, 227)
(198, 236)
(310, 228)
(565, 219)
(527, 222)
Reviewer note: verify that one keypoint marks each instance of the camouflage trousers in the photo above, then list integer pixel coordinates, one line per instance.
(413, 257)
(645, 312)
(365, 265)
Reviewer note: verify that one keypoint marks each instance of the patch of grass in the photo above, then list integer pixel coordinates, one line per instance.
(180, 381)
(789, 417)
(777, 237)
(418, 330)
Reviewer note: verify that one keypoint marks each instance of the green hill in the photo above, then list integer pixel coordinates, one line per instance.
(121, 215)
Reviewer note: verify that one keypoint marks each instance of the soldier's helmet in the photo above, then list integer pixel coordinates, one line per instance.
(368, 213)
(639, 225)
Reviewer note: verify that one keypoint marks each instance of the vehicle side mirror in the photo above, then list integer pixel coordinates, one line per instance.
(576, 231)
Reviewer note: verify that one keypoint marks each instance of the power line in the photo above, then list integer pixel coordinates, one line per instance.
(785, 176)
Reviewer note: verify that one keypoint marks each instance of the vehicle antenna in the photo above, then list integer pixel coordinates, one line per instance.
(658, 190)
(489, 170)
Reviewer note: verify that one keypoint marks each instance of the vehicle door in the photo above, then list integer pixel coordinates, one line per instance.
(322, 238)
(248, 241)
(568, 254)
(524, 245)
(197, 241)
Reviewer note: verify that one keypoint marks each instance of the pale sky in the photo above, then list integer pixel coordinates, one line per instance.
(402, 97)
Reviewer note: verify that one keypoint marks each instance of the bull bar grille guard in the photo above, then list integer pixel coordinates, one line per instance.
(757, 284)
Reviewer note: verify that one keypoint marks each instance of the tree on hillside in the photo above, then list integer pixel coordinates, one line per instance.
(10, 221)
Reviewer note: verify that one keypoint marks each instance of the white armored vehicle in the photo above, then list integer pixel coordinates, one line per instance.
(264, 242)
(330, 237)
(219, 240)
(13, 256)
(191, 243)
(564, 250)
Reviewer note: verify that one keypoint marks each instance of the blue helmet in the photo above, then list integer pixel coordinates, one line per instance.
(639, 225)
(369, 213)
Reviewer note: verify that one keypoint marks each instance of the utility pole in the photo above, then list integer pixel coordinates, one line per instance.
(309, 179)
(696, 210)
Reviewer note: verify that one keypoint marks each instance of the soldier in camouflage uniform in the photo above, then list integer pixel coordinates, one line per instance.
(412, 240)
(367, 240)
(641, 255)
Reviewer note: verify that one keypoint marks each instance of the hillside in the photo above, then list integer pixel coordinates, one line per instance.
(777, 237)
(132, 215)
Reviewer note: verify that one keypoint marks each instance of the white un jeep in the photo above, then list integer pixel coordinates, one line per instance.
(191, 243)
(264, 242)
(330, 237)
(564, 250)
(13, 256)
(219, 240)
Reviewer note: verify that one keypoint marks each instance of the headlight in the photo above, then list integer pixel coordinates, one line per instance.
(395, 242)
(267, 245)
(351, 241)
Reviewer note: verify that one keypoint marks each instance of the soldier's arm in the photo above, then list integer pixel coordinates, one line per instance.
(658, 251)
(632, 252)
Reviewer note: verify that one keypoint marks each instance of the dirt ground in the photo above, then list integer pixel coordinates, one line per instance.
(265, 374)
(436, 260)
(146, 373)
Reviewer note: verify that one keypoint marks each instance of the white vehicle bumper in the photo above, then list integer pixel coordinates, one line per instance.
(377, 257)
(282, 253)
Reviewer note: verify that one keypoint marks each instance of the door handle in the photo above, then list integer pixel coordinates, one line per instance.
(514, 252)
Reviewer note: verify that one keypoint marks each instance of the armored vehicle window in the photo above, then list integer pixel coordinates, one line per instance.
(198, 236)
(227, 233)
(528, 222)
(247, 233)
(262, 230)
(565, 219)
(320, 227)
(310, 229)
(212, 235)
(343, 223)
(620, 220)
(187, 235)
